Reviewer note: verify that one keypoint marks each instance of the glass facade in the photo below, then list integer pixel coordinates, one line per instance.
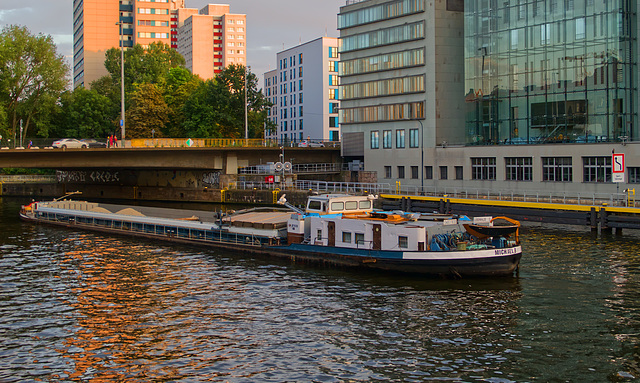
(550, 71)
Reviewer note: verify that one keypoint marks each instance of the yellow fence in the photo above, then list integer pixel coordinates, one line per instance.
(201, 143)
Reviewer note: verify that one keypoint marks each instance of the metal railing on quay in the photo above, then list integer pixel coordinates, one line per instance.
(295, 168)
(595, 199)
(343, 187)
(586, 199)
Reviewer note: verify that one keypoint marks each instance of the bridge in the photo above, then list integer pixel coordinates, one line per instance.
(225, 159)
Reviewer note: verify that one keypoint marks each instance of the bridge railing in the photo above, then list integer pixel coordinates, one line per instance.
(216, 143)
(27, 178)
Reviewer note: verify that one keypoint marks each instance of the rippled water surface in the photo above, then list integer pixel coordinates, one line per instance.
(77, 306)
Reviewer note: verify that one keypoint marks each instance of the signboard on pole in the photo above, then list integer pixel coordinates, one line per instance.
(617, 165)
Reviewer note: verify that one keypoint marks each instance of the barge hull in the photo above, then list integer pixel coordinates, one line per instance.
(439, 263)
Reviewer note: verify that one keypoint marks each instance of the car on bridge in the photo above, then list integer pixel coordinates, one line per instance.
(310, 144)
(94, 143)
(69, 143)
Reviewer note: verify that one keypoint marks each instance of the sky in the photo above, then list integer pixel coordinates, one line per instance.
(272, 26)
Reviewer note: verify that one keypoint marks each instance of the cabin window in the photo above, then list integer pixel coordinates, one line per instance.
(403, 242)
(346, 237)
(365, 204)
(351, 205)
(319, 235)
(359, 238)
(314, 205)
(337, 206)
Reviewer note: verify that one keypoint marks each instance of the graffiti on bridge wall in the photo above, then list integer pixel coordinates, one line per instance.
(79, 176)
(211, 179)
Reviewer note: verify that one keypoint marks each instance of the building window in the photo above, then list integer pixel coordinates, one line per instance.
(596, 169)
(346, 237)
(403, 242)
(401, 172)
(333, 52)
(459, 172)
(428, 172)
(483, 168)
(444, 173)
(400, 139)
(386, 139)
(333, 107)
(404, 85)
(634, 175)
(332, 94)
(519, 168)
(414, 138)
(333, 122)
(300, 58)
(414, 172)
(557, 169)
(332, 67)
(387, 172)
(300, 72)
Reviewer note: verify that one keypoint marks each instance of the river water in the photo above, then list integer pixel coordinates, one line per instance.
(77, 306)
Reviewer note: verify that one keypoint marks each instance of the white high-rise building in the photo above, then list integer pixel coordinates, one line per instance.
(304, 93)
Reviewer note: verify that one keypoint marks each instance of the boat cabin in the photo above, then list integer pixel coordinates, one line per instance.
(339, 203)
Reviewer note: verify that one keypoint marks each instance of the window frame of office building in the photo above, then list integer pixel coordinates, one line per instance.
(414, 138)
(428, 172)
(401, 174)
(634, 175)
(557, 169)
(596, 169)
(387, 141)
(459, 172)
(444, 172)
(518, 168)
(400, 144)
(387, 172)
(483, 168)
(414, 172)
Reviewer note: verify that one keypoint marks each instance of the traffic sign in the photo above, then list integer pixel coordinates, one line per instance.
(617, 167)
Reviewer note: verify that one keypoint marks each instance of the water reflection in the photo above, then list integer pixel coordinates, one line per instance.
(77, 306)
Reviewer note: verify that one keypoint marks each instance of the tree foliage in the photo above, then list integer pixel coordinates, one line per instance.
(142, 65)
(179, 85)
(217, 107)
(32, 75)
(85, 113)
(148, 113)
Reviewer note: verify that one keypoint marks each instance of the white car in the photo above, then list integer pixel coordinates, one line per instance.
(310, 144)
(69, 143)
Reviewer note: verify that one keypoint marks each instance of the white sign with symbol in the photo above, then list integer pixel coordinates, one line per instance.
(617, 164)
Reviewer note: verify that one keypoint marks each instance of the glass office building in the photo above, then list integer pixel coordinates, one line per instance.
(542, 71)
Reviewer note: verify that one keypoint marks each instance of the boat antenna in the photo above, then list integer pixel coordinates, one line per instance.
(67, 195)
(283, 201)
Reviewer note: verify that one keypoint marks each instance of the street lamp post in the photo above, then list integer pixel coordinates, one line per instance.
(122, 124)
(421, 157)
(246, 106)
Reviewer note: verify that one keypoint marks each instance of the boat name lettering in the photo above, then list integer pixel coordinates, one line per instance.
(505, 251)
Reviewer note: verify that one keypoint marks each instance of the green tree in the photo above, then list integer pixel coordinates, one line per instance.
(142, 65)
(147, 112)
(179, 85)
(217, 108)
(84, 113)
(31, 72)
